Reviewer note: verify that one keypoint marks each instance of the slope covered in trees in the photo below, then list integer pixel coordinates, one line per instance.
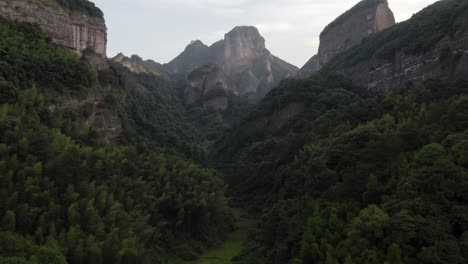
(357, 178)
(345, 176)
(68, 196)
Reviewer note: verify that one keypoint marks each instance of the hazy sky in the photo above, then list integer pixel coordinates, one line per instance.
(161, 29)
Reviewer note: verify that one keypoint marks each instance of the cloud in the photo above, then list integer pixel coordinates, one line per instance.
(274, 27)
(291, 28)
(312, 42)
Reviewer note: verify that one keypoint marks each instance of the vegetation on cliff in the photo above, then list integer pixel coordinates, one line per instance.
(414, 36)
(83, 6)
(66, 195)
(356, 178)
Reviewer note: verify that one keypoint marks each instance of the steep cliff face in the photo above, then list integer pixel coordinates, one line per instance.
(364, 19)
(310, 67)
(431, 45)
(348, 30)
(74, 30)
(242, 55)
(209, 86)
(242, 46)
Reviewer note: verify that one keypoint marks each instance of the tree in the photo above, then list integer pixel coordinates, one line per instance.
(464, 245)
(460, 153)
(73, 214)
(394, 255)
(9, 221)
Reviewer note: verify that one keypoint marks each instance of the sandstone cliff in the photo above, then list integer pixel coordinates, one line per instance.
(209, 87)
(74, 30)
(348, 30)
(433, 44)
(243, 56)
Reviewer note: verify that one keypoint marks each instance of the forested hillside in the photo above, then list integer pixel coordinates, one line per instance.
(69, 196)
(112, 166)
(357, 178)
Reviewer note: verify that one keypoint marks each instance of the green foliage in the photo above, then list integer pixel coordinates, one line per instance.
(83, 6)
(151, 111)
(355, 178)
(66, 195)
(28, 58)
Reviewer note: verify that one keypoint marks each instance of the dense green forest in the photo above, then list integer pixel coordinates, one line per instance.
(356, 178)
(353, 176)
(151, 110)
(67, 195)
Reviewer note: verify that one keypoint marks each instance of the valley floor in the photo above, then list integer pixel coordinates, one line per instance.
(231, 247)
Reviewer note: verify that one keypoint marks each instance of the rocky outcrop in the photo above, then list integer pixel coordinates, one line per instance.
(137, 65)
(209, 87)
(348, 30)
(416, 50)
(73, 30)
(195, 55)
(242, 55)
(310, 67)
(104, 121)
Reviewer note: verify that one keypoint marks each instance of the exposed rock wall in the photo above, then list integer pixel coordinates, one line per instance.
(242, 46)
(243, 57)
(348, 30)
(366, 18)
(104, 121)
(310, 67)
(209, 86)
(446, 59)
(72, 30)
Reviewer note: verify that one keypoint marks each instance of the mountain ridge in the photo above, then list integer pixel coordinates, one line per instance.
(242, 55)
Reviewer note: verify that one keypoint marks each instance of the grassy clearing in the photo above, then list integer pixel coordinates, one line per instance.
(231, 247)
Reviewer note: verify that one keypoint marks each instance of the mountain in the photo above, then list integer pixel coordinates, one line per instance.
(97, 165)
(137, 65)
(243, 57)
(347, 172)
(129, 161)
(209, 85)
(77, 25)
(430, 45)
(364, 19)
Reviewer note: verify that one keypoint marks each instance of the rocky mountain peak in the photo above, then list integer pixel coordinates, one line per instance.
(242, 46)
(348, 30)
(243, 42)
(136, 64)
(196, 45)
(209, 86)
(242, 55)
